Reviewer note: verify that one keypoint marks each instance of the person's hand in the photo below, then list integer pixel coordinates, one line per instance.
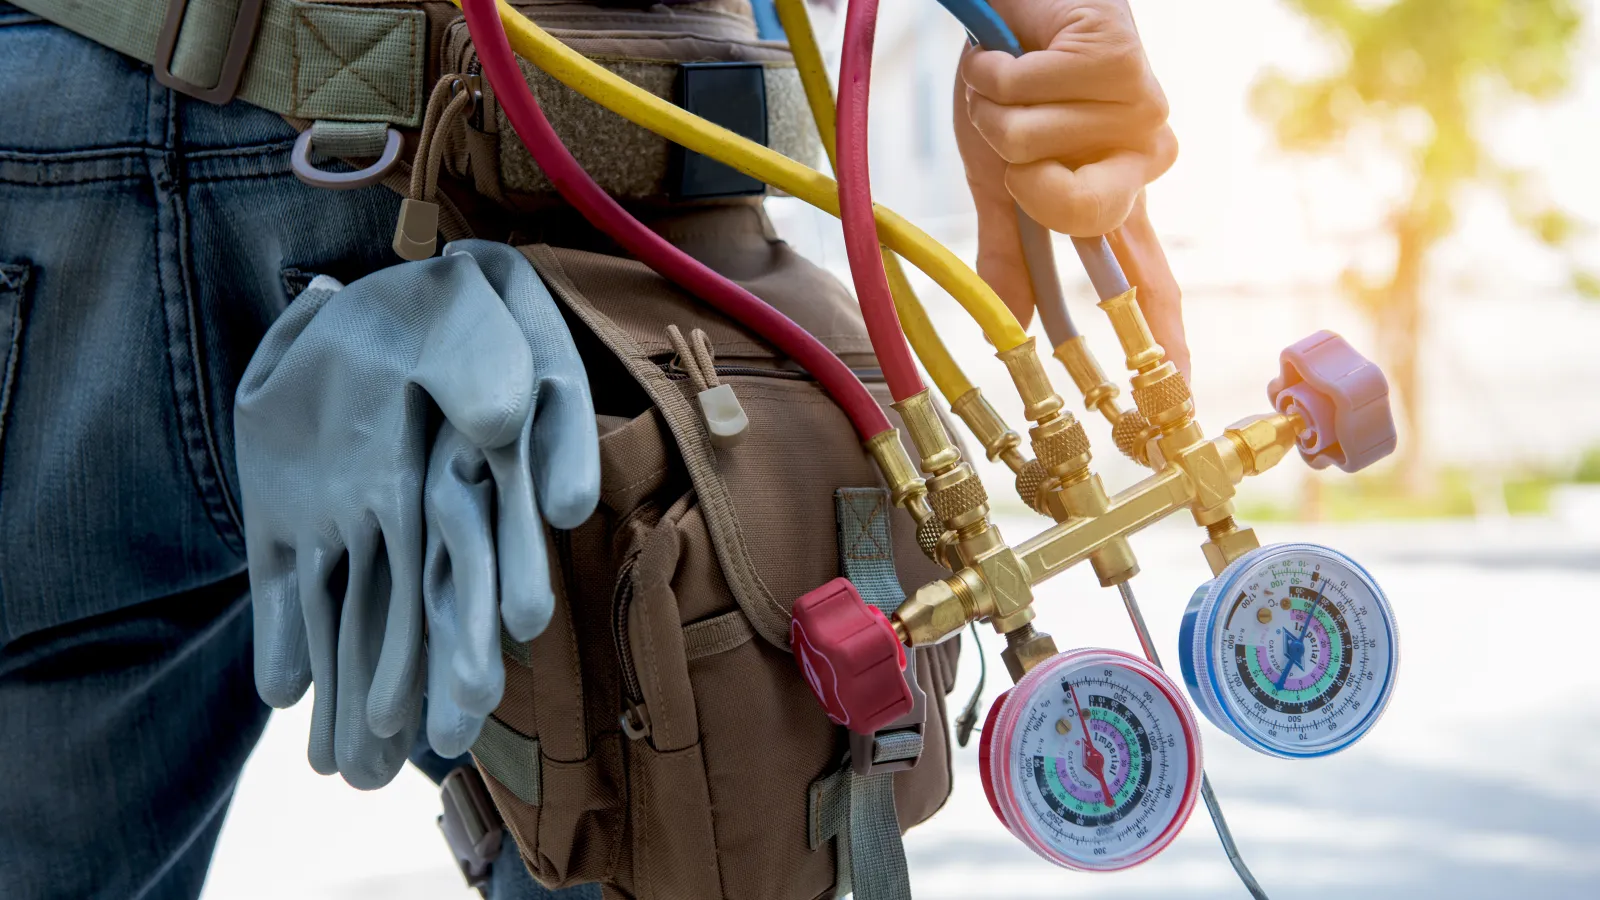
(486, 560)
(1071, 132)
(332, 421)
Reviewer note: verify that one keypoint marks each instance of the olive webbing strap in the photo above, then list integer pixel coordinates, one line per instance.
(859, 810)
(511, 758)
(308, 60)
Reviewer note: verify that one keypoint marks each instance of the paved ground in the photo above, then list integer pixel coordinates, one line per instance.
(1483, 780)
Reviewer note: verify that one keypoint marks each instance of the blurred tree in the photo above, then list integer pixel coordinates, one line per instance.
(1417, 73)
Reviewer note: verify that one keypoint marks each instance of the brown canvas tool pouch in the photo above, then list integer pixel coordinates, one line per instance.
(658, 737)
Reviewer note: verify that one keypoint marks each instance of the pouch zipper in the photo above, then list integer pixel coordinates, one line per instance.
(635, 717)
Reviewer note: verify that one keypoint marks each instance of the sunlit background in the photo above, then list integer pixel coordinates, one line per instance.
(1300, 177)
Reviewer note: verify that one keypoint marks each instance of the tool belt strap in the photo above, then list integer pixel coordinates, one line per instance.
(857, 811)
(304, 60)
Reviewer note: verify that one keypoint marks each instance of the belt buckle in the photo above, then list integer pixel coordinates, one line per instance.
(242, 37)
(470, 824)
(864, 747)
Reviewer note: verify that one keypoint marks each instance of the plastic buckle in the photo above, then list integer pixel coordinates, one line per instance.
(233, 64)
(471, 825)
(864, 747)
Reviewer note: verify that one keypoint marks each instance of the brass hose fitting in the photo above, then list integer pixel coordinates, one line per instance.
(999, 441)
(906, 488)
(1130, 431)
(1026, 648)
(1040, 402)
(1226, 543)
(938, 452)
(1069, 489)
(1098, 391)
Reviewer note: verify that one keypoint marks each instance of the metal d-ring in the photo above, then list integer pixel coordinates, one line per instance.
(300, 162)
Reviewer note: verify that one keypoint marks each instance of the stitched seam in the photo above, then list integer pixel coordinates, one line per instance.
(348, 65)
(204, 476)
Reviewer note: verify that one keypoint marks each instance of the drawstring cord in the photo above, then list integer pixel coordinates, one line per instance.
(416, 232)
(695, 357)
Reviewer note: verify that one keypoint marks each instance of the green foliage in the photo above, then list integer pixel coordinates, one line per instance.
(1588, 471)
(1421, 71)
(1587, 284)
(1384, 495)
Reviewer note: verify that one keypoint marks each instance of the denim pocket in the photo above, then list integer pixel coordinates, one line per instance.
(14, 278)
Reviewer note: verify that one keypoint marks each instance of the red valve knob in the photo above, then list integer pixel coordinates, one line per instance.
(851, 657)
(1343, 398)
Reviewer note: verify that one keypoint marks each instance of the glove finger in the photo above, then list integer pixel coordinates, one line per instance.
(476, 364)
(460, 500)
(275, 345)
(450, 731)
(566, 442)
(566, 453)
(448, 727)
(317, 564)
(366, 760)
(526, 597)
(282, 660)
(396, 696)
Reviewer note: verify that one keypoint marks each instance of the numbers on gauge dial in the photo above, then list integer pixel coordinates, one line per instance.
(1299, 650)
(1102, 765)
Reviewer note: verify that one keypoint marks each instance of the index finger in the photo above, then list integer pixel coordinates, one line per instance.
(1112, 72)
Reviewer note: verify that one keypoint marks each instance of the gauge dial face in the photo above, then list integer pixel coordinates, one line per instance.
(1094, 762)
(1298, 648)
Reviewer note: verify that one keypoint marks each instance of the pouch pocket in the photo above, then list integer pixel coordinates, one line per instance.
(675, 603)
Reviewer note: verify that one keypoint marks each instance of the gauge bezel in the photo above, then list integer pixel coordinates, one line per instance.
(1000, 737)
(1213, 700)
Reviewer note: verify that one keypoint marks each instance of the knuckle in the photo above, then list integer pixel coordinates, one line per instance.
(1150, 107)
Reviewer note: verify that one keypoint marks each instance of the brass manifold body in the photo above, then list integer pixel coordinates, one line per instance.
(993, 581)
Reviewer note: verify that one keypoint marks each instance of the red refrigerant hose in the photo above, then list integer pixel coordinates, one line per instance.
(578, 189)
(855, 203)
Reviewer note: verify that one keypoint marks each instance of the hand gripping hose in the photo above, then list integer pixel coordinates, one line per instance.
(992, 33)
(855, 203)
(578, 189)
(694, 133)
(986, 26)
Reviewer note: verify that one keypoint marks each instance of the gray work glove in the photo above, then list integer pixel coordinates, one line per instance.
(485, 510)
(332, 421)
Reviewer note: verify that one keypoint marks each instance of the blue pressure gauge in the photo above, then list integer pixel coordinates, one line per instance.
(1292, 650)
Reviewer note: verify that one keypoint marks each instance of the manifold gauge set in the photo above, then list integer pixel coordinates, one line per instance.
(1093, 758)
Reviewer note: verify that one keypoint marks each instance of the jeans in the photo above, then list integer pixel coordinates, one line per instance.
(147, 241)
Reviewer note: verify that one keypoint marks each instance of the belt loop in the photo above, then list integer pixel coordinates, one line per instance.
(234, 60)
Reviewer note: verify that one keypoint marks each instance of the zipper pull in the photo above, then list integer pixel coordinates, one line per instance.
(725, 418)
(635, 720)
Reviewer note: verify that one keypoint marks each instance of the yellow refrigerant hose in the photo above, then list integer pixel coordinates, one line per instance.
(692, 132)
(925, 342)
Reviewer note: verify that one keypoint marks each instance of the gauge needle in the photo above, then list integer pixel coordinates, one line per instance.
(1093, 759)
(1294, 645)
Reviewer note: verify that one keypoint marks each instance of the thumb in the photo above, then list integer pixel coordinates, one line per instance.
(1000, 258)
